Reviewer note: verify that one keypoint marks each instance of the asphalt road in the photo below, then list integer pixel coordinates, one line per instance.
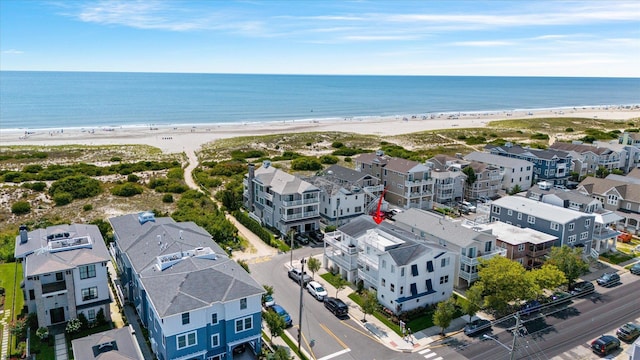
(582, 321)
(332, 337)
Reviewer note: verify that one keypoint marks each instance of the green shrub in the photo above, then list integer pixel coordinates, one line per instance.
(347, 159)
(79, 186)
(539, 136)
(35, 186)
(115, 159)
(133, 178)
(337, 145)
(62, 198)
(127, 189)
(87, 207)
(329, 159)
(167, 198)
(569, 129)
(306, 163)
(20, 208)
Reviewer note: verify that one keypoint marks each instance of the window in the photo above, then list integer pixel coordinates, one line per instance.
(584, 235)
(487, 246)
(587, 223)
(215, 340)
(401, 290)
(444, 262)
(393, 269)
(531, 219)
(59, 276)
(185, 318)
(89, 293)
(571, 226)
(555, 226)
(519, 216)
(392, 287)
(91, 315)
(510, 212)
(87, 271)
(571, 239)
(186, 340)
(384, 264)
(383, 282)
(414, 270)
(612, 199)
(244, 324)
(496, 209)
(428, 285)
(214, 318)
(243, 303)
(32, 294)
(521, 247)
(444, 279)
(402, 271)
(429, 266)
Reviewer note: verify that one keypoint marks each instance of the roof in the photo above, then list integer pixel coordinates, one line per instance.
(436, 226)
(515, 236)
(539, 209)
(116, 344)
(408, 249)
(629, 178)
(404, 166)
(344, 174)
(370, 158)
(580, 148)
(547, 154)
(282, 182)
(191, 282)
(628, 191)
(78, 244)
(497, 160)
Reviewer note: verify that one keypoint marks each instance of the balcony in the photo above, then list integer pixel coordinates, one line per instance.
(475, 261)
(347, 262)
(367, 278)
(343, 246)
(409, 183)
(469, 277)
(364, 260)
(297, 216)
(268, 196)
(289, 203)
(418, 194)
(604, 234)
(57, 286)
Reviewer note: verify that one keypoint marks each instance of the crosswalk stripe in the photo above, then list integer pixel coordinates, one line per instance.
(430, 355)
(438, 358)
(422, 352)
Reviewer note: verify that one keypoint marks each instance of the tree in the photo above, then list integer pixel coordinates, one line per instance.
(471, 179)
(548, 277)
(275, 323)
(569, 261)
(369, 303)
(505, 281)
(340, 284)
(473, 301)
(20, 208)
(515, 189)
(314, 265)
(42, 333)
(445, 311)
(280, 353)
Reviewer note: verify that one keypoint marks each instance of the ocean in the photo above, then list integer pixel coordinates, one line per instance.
(50, 100)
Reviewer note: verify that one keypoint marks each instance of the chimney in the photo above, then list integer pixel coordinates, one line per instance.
(24, 235)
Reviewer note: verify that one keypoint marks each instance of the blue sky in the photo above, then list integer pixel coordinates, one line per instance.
(506, 38)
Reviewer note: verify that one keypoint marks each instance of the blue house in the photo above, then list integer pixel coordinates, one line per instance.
(195, 302)
(548, 164)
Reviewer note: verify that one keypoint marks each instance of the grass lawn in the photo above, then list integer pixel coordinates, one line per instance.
(377, 314)
(331, 279)
(43, 350)
(10, 278)
(616, 258)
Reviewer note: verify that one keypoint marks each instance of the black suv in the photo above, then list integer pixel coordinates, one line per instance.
(608, 279)
(477, 326)
(605, 344)
(336, 306)
(583, 287)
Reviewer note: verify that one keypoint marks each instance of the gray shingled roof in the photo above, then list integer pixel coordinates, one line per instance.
(191, 283)
(628, 191)
(42, 262)
(497, 160)
(539, 209)
(124, 346)
(370, 158)
(440, 228)
(580, 148)
(547, 154)
(282, 182)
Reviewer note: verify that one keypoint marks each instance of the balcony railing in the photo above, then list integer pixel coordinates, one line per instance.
(605, 234)
(350, 249)
(306, 214)
(301, 202)
(347, 262)
(470, 277)
(367, 278)
(364, 260)
(268, 196)
(476, 260)
(54, 287)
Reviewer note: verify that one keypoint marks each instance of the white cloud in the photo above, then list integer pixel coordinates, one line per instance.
(488, 43)
(12, 52)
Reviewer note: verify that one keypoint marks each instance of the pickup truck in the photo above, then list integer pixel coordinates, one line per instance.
(296, 274)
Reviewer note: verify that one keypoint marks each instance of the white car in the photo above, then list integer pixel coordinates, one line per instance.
(316, 290)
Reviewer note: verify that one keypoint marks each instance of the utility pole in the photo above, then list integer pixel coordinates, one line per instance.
(302, 261)
(291, 234)
(516, 331)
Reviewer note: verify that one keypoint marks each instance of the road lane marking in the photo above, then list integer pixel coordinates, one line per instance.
(422, 352)
(313, 355)
(333, 335)
(430, 355)
(331, 356)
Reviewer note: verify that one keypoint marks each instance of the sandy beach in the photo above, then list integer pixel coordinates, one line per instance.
(172, 139)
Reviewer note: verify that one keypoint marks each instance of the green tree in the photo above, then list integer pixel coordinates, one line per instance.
(505, 281)
(20, 208)
(314, 265)
(569, 261)
(127, 189)
(473, 301)
(369, 303)
(340, 284)
(471, 179)
(79, 186)
(515, 189)
(275, 323)
(548, 277)
(445, 311)
(602, 172)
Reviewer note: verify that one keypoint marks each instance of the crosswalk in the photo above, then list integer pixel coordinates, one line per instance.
(429, 354)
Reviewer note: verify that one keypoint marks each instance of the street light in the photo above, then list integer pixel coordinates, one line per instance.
(302, 262)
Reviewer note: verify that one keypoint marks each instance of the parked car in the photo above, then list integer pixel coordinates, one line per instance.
(336, 306)
(301, 239)
(605, 344)
(628, 332)
(582, 288)
(608, 279)
(240, 348)
(530, 307)
(296, 275)
(635, 269)
(467, 206)
(559, 297)
(316, 235)
(283, 314)
(316, 290)
(268, 300)
(477, 326)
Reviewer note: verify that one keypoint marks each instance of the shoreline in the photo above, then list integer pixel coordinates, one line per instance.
(190, 137)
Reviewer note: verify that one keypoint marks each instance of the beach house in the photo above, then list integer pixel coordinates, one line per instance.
(548, 165)
(194, 301)
(65, 272)
(514, 173)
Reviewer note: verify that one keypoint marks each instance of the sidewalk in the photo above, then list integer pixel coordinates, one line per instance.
(418, 341)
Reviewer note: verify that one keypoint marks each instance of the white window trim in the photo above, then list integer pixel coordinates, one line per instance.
(217, 338)
(242, 321)
(186, 339)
